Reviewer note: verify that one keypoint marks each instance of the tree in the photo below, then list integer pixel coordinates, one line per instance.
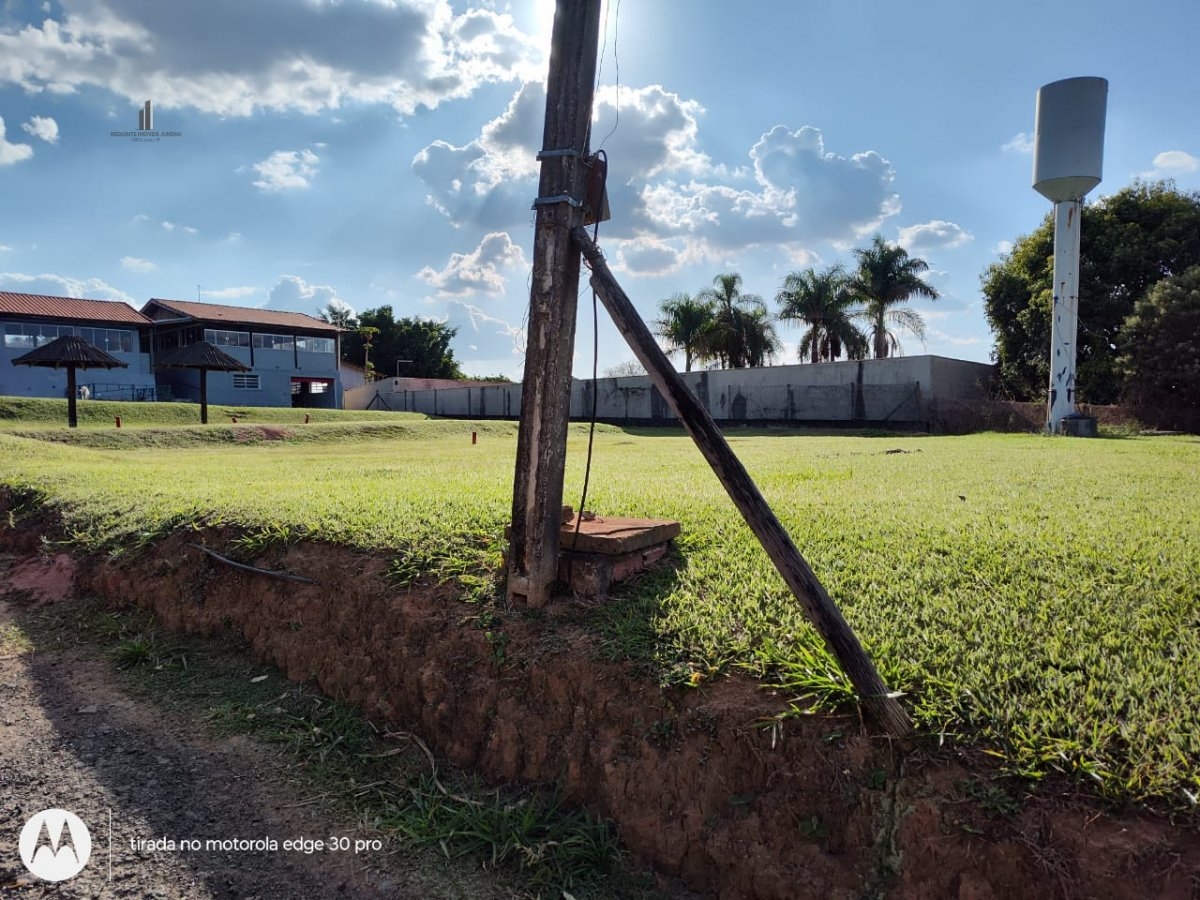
(335, 312)
(685, 325)
(887, 276)
(418, 348)
(741, 333)
(366, 334)
(1128, 242)
(626, 369)
(1161, 358)
(823, 301)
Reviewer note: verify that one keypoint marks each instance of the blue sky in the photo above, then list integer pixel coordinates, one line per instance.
(382, 151)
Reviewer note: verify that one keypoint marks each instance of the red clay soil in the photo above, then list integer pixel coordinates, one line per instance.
(816, 807)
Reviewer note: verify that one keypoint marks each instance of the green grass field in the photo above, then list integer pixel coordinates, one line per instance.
(1034, 597)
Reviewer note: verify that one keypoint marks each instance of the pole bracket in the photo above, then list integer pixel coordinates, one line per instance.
(557, 198)
(554, 154)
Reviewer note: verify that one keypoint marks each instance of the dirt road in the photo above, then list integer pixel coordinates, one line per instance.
(139, 777)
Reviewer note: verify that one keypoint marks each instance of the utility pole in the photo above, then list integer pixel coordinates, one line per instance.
(546, 387)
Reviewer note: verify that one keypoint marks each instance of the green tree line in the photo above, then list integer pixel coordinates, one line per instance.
(1139, 304)
(383, 344)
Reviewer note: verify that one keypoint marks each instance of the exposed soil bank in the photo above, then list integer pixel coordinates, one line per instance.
(698, 788)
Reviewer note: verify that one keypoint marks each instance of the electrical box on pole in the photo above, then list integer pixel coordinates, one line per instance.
(1068, 156)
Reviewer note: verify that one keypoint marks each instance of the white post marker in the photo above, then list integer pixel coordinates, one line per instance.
(1068, 156)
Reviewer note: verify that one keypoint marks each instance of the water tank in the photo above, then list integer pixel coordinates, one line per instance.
(1068, 145)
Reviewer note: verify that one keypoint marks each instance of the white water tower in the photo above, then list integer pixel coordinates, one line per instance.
(1068, 155)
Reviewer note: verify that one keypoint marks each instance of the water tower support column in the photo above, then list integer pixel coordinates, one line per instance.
(1065, 318)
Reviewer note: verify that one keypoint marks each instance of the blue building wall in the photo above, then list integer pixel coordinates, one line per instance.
(270, 381)
(35, 381)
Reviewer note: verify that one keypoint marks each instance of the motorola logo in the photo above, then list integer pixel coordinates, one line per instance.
(55, 845)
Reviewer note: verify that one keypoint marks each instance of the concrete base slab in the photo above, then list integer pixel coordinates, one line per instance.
(609, 549)
(614, 535)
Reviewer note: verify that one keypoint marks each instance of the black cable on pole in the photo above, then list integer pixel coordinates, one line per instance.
(587, 469)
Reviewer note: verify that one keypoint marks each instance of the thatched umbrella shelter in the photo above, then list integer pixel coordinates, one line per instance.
(69, 352)
(202, 356)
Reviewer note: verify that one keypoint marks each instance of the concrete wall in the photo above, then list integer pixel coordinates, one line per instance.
(904, 391)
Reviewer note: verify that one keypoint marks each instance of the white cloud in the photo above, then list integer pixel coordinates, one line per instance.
(477, 272)
(286, 170)
(942, 337)
(233, 237)
(648, 257)
(140, 217)
(229, 293)
(801, 194)
(4, 248)
(1021, 142)
(663, 189)
(933, 235)
(63, 286)
(1003, 247)
(230, 58)
(134, 264)
(175, 226)
(43, 128)
(494, 337)
(1170, 163)
(293, 293)
(12, 153)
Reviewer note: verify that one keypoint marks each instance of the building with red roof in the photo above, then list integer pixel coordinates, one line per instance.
(292, 357)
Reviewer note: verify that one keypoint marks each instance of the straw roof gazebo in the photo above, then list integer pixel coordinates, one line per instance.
(69, 352)
(202, 356)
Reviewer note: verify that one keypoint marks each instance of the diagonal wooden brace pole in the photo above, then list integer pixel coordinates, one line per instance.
(820, 609)
(550, 345)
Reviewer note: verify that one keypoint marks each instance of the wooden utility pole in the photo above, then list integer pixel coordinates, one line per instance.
(818, 606)
(546, 388)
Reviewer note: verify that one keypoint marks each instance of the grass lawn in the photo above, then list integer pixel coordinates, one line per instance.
(1036, 597)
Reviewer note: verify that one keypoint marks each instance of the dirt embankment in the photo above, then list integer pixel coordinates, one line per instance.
(702, 783)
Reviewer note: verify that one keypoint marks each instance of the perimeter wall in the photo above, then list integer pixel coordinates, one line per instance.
(912, 391)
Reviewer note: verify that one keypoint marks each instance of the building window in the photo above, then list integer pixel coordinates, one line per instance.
(227, 338)
(274, 342)
(314, 344)
(244, 382)
(25, 336)
(17, 338)
(113, 340)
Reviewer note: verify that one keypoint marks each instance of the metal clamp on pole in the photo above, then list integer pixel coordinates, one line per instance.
(553, 154)
(557, 198)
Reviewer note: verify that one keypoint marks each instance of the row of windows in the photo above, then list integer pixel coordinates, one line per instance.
(24, 336)
(269, 341)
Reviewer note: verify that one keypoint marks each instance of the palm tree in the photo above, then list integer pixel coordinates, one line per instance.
(760, 340)
(339, 313)
(822, 301)
(886, 277)
(685, 325)
(741, 333)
